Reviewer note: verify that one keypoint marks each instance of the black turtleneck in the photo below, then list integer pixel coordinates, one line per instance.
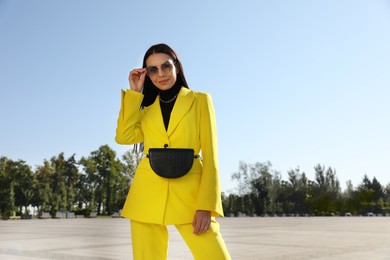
(166, 108)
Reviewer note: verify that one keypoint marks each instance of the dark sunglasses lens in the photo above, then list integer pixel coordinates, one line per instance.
(167, 66)
(151, 70)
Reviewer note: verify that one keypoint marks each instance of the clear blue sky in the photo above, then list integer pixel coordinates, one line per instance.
(298, 83)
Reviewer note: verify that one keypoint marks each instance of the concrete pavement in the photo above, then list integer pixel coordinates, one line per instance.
(246, 238)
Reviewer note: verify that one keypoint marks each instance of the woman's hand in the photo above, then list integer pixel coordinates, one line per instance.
(137, 79)
(201, 222)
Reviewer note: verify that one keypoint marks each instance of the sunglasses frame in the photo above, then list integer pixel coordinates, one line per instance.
(164, 67)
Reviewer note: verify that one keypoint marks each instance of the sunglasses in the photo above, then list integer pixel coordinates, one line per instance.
(166, 67)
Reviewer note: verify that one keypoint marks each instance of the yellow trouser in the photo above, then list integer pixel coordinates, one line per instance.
(150, 242)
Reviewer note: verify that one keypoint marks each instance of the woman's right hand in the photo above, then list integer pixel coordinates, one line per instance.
(137, 79)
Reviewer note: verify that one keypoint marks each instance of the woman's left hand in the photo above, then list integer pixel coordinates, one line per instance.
(201, 222)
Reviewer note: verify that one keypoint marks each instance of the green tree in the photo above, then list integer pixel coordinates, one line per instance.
(7, 202)
(71, 175)
(89, 185)
(256, 180)
(275, 191)
(325, 191)
(23, 184)
(104, 170)
(230, 205)
(296, 192)
(378, 189)
(43, 192)
(386, 191)
(127, 167)
(350, 199)
(371, 196)
(262, 187)
(59, 198)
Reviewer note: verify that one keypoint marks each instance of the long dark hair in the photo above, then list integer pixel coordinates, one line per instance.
(150, 91)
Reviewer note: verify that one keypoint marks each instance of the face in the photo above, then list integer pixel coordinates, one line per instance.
(161, 70)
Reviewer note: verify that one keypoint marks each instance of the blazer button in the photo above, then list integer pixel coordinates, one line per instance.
(165, 146)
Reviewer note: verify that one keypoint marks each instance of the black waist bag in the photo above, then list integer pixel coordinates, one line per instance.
(171, 162)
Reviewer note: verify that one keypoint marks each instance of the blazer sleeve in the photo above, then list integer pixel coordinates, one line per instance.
(129, 129)
(209, 197)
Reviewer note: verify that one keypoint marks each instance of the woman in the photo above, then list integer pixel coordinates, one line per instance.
(161, 111)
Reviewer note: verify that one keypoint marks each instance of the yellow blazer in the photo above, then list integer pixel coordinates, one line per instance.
(153, 199)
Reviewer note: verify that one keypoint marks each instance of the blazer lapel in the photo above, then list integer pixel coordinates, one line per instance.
(184, 101)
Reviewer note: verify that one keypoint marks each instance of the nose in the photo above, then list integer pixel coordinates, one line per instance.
(160, 72)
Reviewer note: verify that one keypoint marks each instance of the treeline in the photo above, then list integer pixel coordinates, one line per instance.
(97, 183)
(262, 191)
(100, 183)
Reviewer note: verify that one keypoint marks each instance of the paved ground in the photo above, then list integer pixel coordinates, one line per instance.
(246, 238)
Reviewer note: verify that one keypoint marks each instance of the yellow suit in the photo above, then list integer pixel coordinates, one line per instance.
(153, 199)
